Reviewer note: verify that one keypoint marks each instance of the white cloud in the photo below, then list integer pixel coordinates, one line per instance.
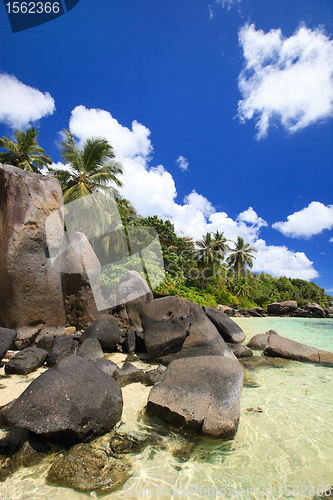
(279, 261)
(331, 240)
(287, 80)
(309, 221)
(21, 105)
(152, 191)
(182, 163)
(228, 3)
(251, 217)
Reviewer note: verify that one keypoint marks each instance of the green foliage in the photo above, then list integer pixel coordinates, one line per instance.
(178, 251)
(25, 151)
(92, 167)
(176, 286)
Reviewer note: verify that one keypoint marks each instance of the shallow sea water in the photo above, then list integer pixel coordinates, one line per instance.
(284, 450)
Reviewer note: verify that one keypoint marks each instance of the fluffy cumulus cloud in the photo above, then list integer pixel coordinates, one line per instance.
(279, 261)
(21, 105)
(152, 191)
(309, 221)
(182, 163)
(286, 80)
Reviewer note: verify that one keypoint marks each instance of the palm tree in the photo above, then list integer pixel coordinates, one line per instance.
(92, 168)
(208, 254)
(25, 151)
(241, 256)
(220, 244)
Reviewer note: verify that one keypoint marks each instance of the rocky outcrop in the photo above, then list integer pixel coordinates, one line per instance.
(279, 308)
(26, 361)
(7, 337)
(176, 328)
(316, 310)
(74, 400)
(105, 330)
(134, 292)
(30, 287)
(81, 281)
(285, 348)
(201, 393)
(229, 330)
(260, 341)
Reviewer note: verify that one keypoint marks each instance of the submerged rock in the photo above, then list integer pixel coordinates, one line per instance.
(286, 348)
(201, 393)
(86, 468)
(74, 400)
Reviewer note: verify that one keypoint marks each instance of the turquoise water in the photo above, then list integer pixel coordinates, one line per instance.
(283, 448)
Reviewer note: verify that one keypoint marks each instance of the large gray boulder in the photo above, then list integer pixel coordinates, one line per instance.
(280, 308)
(30, 286)
(7, 337)
(134, 292)
(105, 330)
(81, 281)
(229, 330)
(26, 361)
(316, 310)
(201, 393)
(177, 328)
(74, 400)
(260, 341)
(285, 348)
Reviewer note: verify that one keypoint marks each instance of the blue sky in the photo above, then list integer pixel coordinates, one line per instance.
(220, 112)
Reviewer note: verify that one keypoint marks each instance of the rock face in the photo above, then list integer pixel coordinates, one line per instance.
(201, 393)
(30, 287)
(282, 307)
(316, 310)
(81, 282)
(134, 292)
(229, 330)
(26, 361)
(74, 400)
(260, 341)
(105, 330)
(177, 328)
(7, 336)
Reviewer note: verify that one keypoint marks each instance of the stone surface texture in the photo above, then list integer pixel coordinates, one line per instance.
(201, 393)
(30, 287)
